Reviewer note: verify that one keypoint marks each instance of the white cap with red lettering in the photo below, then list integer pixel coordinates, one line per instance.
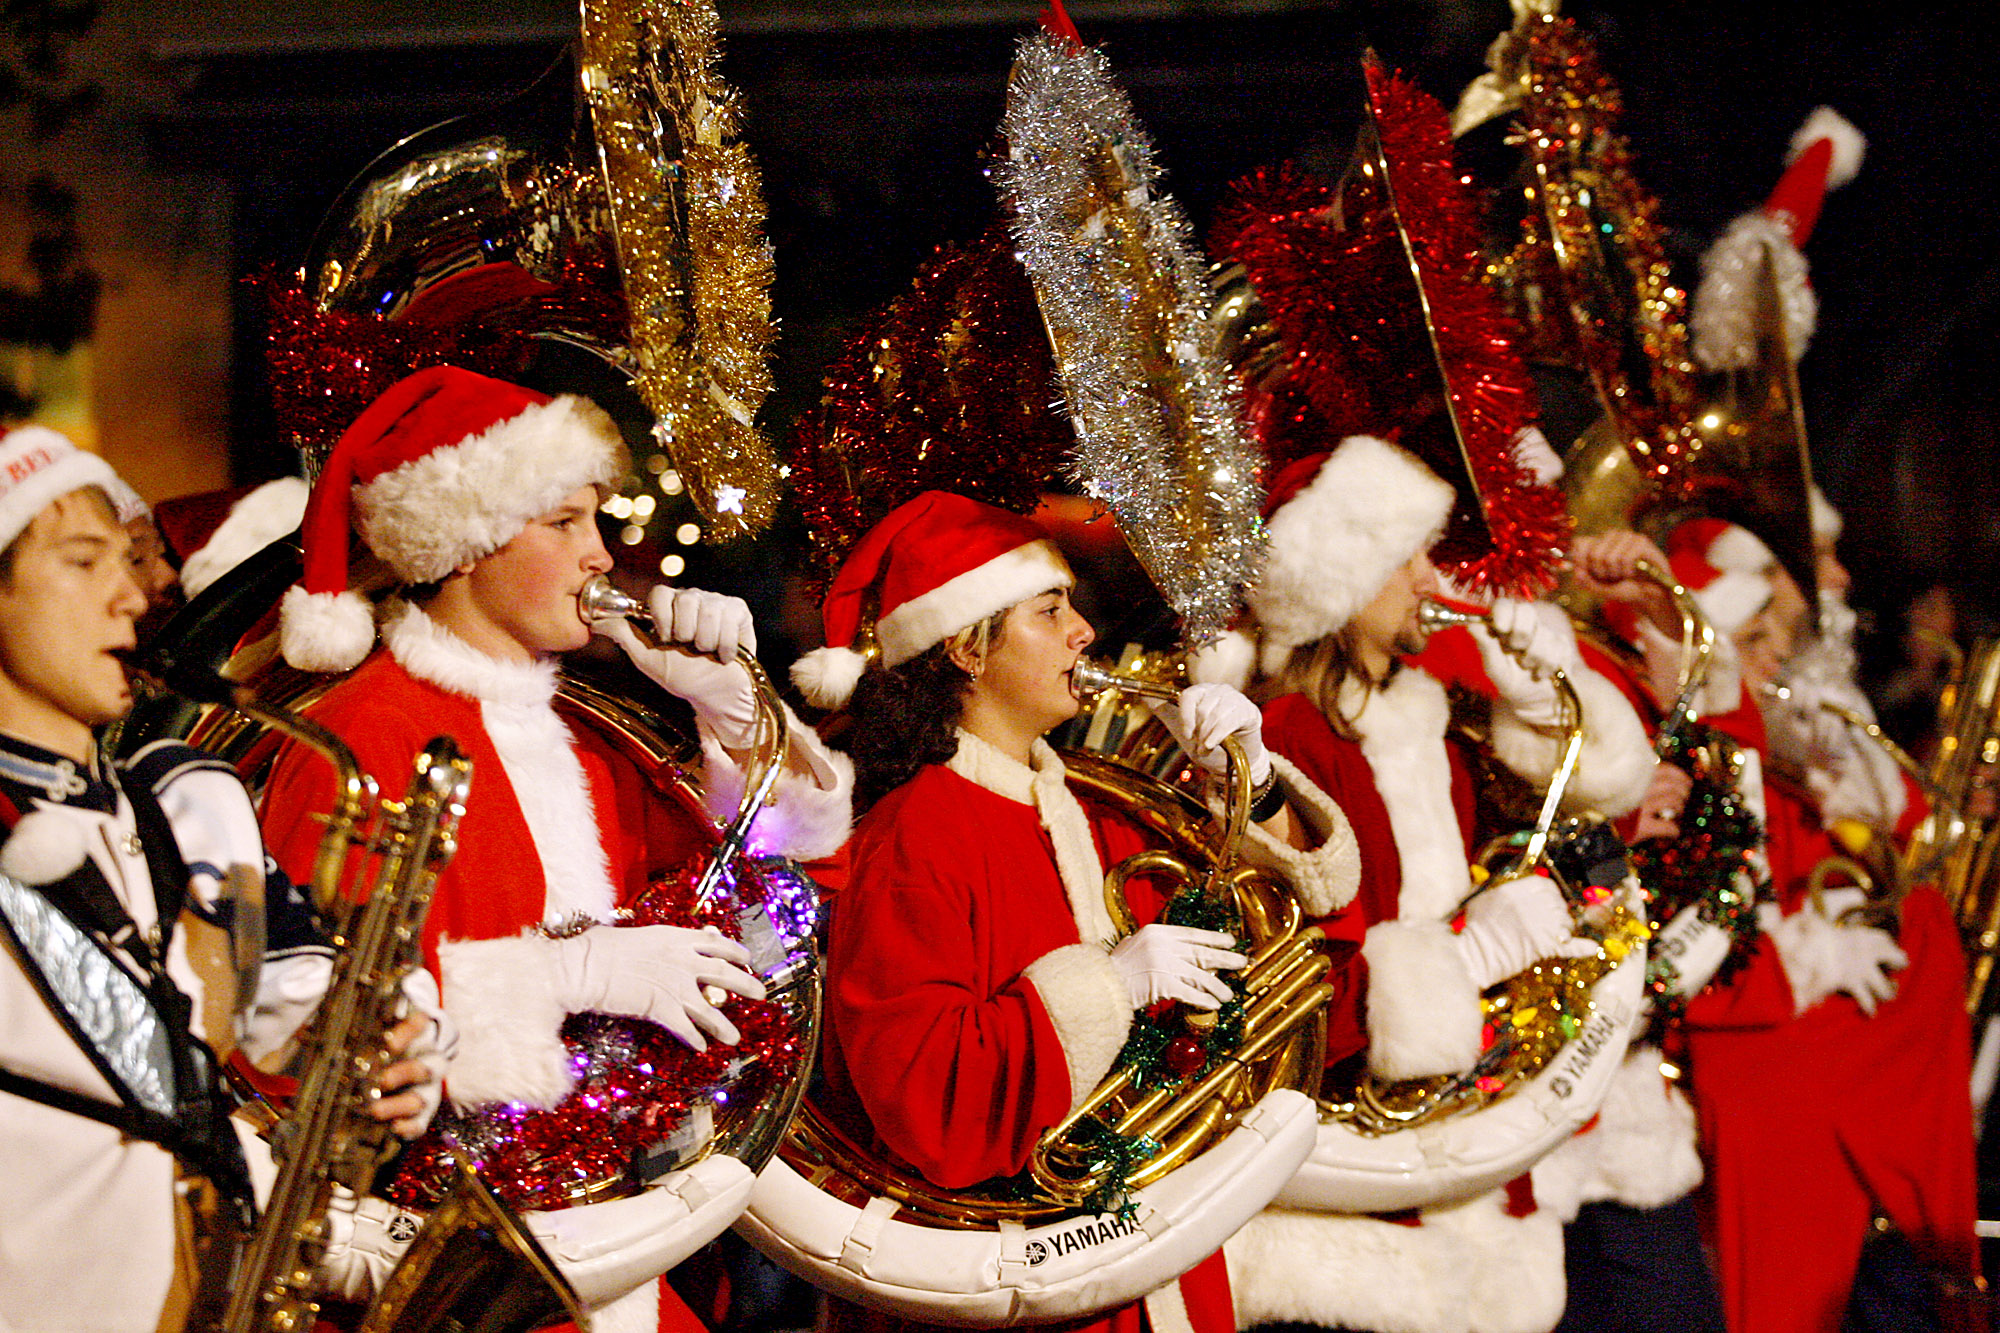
(36, 466)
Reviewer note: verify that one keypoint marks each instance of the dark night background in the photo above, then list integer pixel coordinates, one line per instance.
(869, 130)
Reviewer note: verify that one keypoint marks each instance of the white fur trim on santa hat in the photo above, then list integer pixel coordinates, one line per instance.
(325, 631)
(467, 500)
(1469, 1268)
(1741, 550)
(1090, 1008)
(827, 676)
(255, 521)
(1849, 144)
(1722, 330)
(1013, 576)
(1733, 599)
(502, 994)
(37, 466)
(1333, 545)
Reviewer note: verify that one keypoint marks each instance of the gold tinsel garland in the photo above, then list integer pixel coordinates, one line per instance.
(688, 209)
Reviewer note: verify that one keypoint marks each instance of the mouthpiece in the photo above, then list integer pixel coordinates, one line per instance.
(1090, 678)
(600, 599)
(1434, 616)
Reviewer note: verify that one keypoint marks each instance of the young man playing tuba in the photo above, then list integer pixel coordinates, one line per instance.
(482, 497)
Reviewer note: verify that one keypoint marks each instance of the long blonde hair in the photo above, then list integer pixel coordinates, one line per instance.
(1318, 670)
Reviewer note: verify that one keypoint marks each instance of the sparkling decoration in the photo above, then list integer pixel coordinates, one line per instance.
(1708, 866)
(688, 210)
(951, 386)
(1125, 297)
(1534, 1015)
(642, 1102)
(328, 365)
(1385, 329)
(1589, 275)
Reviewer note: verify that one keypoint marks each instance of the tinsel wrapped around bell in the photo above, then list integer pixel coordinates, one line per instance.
(640, 1095)
(1386, 330)
(1125, 297)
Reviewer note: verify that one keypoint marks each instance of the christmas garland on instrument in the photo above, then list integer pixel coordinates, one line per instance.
(688, 211)
(1366, 350)
(1125, 297)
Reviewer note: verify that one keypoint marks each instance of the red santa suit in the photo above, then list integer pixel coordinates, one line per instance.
(1493, 1262)
(971, 1001)
(1814, 1115)
(557, 827)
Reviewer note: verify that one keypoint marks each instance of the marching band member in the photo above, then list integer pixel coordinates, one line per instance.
(125, 909)
(482, 497)
(1335, 623)
(976, 991)
(1831, 1074)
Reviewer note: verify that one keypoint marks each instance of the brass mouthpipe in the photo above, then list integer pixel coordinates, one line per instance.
(1089, 679)
(600, 600)
(1433, 616)
(1697, 649)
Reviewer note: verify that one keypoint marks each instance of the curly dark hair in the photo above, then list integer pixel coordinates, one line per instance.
(906, 717)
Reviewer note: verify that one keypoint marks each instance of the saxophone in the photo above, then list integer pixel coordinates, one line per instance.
(328, 1138)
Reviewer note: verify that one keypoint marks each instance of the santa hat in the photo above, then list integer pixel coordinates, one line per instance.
(1339, 526)
(1827, 523)
(933, 566)
(219, 537)
(36, 466)
(1725, 566)
(444, 468)
(1825, 154)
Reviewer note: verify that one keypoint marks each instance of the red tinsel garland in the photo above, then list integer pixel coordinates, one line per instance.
(1358, 356)
(950, 386)
(327, 366)
(635, 1085)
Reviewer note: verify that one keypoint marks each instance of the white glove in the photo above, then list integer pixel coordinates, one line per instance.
(655, 972)
(433, 1049)
(1540, 632)
(724, 701)
(1822, 958)
(1515, 923)
(1205, 715)
(366, 1239)
(1161, 962)
(609, 1249)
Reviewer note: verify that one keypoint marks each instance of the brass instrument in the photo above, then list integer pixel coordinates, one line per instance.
(1281, 1045)
(1534, 1014)
(327, 1139)
(1960, 839)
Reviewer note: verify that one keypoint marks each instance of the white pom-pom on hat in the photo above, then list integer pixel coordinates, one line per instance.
(325, 631)
(1230, 659)
(46, 846)
(827, 676)
(1849, 144)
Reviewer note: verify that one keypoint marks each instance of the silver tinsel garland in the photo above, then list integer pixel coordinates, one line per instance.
(1125, 295)
(1723, 328)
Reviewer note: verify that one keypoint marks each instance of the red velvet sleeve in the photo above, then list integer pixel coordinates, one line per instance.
(956, 1079)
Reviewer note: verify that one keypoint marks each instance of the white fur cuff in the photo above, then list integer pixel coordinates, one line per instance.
(1424, 1016)
(805, 820)
(1090, 1007)
(1326, 878)
(1617, 761)
(502, 995)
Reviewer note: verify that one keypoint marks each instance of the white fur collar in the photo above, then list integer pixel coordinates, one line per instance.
(429, 651)
(1401, 727)
(537, 751)
(1046, 787)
